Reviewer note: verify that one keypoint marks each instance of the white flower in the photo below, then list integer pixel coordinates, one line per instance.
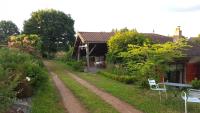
(28, 78)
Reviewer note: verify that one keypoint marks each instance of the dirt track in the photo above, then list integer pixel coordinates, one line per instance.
(119, 105)
(70, 102)
(73, 105)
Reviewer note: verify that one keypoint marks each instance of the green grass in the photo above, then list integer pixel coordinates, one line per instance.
(47, 100)
(91, 102)
(143, 99)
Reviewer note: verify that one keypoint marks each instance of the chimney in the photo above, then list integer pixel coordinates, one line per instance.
(178, 33)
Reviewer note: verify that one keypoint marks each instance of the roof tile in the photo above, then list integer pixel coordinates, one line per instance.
(92, 37)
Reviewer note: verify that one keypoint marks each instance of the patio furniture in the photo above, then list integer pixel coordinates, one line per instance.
(177, 87)
(192, 96)
(180, 85)
(160, 87)
(99, 64)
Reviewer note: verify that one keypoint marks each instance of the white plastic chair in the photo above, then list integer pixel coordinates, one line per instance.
(192, 96)
(157, 87)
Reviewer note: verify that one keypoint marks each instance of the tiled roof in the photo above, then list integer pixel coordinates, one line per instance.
(93, 37)
(194, 50)
(156, 38)
(102, 37)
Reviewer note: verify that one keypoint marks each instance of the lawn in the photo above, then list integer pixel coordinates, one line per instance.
(47, 100)
(143, 99)
(91, 101)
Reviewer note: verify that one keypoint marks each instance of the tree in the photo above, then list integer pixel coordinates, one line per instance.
(141, 58)
(55, 28)
(151, 60)
(120, 41)
(7, 28)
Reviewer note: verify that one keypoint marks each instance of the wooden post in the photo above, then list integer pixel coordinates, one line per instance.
(87, 56)
(78, 53)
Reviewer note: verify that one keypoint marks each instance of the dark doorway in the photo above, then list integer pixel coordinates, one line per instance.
(176, 73)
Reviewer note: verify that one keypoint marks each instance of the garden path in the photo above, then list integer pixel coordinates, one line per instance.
(118, 104)
(71, 103)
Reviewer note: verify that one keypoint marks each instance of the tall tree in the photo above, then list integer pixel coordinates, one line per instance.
(7, 28)
(55, 28)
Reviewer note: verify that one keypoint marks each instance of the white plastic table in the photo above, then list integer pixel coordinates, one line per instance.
(180, 85)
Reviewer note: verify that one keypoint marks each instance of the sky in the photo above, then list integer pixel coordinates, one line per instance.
(160, 16)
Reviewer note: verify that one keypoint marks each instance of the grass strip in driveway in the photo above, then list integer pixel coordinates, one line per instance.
(92, 102)
(47, 100)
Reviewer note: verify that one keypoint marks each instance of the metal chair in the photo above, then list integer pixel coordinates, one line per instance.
(157, 87)
(192, 96)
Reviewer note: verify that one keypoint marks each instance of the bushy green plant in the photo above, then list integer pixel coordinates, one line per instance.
(15, 61)
(150, 60)
(76, 65)
(7, 95)
(123, 78)
(34, 71)
(66, 57)
(196, 84)
(15, 68)
(28, 43)
(120, 41)
(139, 56)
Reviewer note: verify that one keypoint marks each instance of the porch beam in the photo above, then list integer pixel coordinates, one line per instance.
(87, 56)
(92, 49)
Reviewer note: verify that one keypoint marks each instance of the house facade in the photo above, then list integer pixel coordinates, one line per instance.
(92, 47)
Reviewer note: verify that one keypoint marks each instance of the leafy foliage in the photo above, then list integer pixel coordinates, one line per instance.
(15, 62)
(151, 60)
(140, 57)
(7, 28)
(7, 84)
(15, 67)
(125, 79)
(66, 57)
(28, 43)
(120, 41)
(55, 28)
(196, 84)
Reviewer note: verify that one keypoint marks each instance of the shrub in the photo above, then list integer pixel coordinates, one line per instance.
(60, 55)
(66, 57)
(122, 78)
(28, 43)
(23, 65)
(196, 84)
(7, 84)
(15, 67)
(76, 65)
(142, 57)
(34, 71)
